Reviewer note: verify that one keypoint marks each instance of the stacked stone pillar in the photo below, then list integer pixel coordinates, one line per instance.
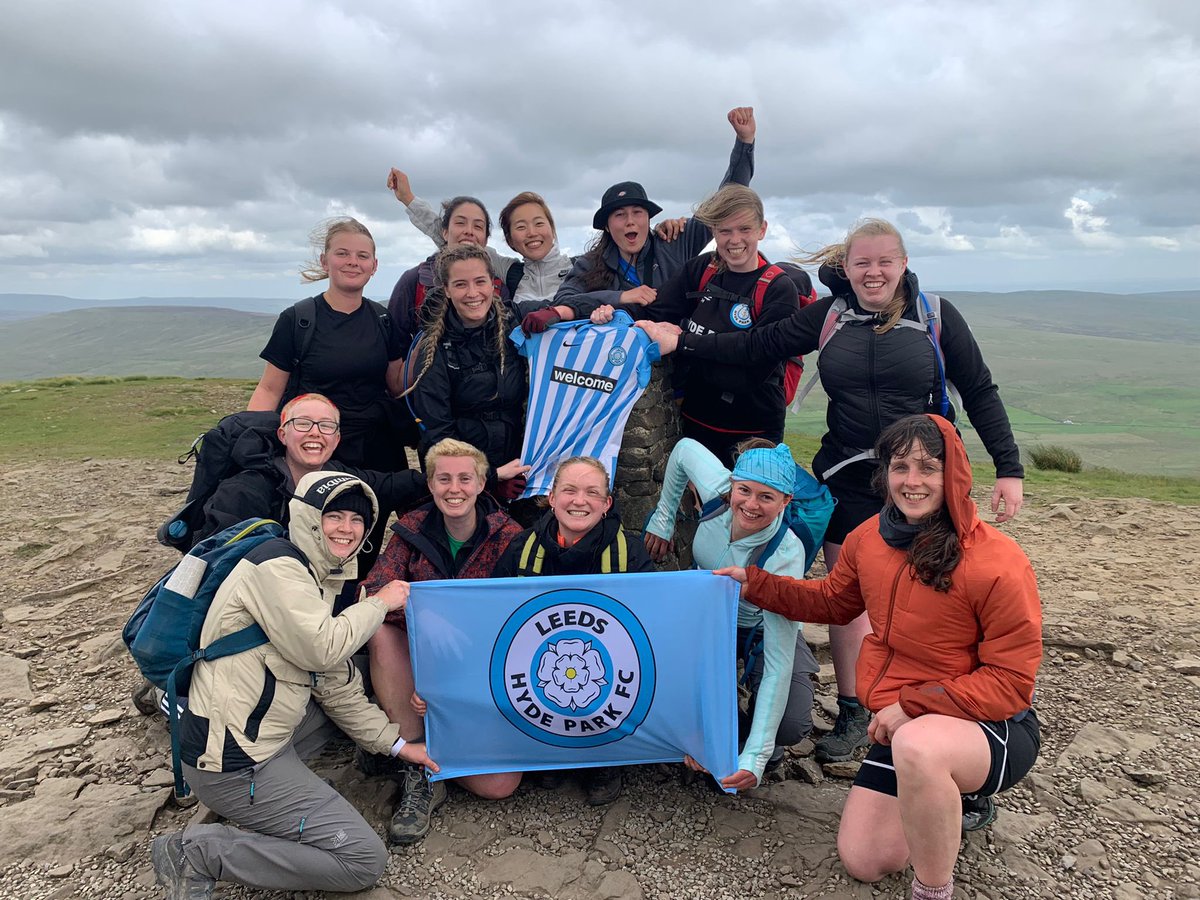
(650, 434)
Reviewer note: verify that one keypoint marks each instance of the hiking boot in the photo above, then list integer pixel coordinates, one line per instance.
(419, 799)
(849, 733)
(977, 813)
(145, 698)
(603, 785)
(778, 755)
(173, 871)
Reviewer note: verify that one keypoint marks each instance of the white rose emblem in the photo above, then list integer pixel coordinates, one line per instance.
(571, 673)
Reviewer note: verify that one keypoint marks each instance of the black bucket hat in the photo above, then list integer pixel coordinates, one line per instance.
(626, 193)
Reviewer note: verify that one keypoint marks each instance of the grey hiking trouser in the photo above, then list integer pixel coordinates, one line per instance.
(296, 831)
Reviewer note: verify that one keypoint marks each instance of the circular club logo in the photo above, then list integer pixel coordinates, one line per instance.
(616, 356)
(740, 315)
(573, 668)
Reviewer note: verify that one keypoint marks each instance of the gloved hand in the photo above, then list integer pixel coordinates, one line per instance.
(539, 320)
(512, 488)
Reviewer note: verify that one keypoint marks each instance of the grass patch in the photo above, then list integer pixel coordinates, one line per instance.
(803, 436)
(28, 551)
(107, 417)
(1052, 457)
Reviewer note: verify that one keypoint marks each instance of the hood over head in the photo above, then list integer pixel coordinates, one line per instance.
(314, 494)
(957, 477)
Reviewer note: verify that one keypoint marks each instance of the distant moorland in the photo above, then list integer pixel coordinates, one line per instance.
(1115, 377)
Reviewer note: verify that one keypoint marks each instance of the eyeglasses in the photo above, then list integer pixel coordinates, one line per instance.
(303, 425)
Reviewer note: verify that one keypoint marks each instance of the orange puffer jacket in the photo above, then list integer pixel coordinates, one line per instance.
(971, 653)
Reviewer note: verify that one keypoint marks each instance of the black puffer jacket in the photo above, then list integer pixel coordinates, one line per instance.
(464, 395)
(875, 379)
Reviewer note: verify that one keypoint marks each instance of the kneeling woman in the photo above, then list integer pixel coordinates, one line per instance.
(778, 662)
(948, 667)
(579, 535)
(296, 831)
(461, 534)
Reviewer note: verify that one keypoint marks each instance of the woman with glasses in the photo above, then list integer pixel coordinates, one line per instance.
(341, 345)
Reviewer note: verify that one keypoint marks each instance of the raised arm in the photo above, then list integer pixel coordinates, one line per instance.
(741, 169)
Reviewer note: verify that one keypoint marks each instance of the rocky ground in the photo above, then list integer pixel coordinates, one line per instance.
(1109, 811)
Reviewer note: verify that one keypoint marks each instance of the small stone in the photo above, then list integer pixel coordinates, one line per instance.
(1188, 665)
(107, 717)
(827, 676)
(1068, 861)
(847, 769)
(61, 871)
(26, 652)
(1146, 776)
(42, 702)
(809, 771)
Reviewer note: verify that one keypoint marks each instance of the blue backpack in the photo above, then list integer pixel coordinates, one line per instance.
(806, 516)
(163, 634)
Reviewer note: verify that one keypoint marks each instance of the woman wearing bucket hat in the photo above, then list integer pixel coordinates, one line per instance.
(628, 262)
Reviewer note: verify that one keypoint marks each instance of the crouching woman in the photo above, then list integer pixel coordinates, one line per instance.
(949, 664)
(296, 832)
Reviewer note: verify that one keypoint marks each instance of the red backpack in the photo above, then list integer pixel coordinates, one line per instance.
(794, 367)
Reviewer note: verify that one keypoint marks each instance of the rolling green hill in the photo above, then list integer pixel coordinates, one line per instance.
(1115, 377)
(186, 341)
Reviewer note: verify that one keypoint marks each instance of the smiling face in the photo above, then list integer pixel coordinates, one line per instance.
(530, 232)
(916, 483)
(469, 287)
(468, 225)
(737, 240)
(349, 261)
(754, 506)
(308, 451)
(455, 484)
(579, 499)
(343, 532)
(875, 265)
(629, 227)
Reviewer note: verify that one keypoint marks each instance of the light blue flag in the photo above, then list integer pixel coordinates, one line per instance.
(522, 674)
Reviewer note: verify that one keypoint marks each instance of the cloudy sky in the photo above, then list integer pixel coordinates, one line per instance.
(188, 148)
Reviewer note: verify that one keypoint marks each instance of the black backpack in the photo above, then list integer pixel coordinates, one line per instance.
(220, 452)
(306, 317)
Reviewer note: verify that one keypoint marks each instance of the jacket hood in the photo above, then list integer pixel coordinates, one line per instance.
(313, 494)
(958, 480)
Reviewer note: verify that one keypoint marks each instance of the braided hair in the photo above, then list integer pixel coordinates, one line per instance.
(438, 303)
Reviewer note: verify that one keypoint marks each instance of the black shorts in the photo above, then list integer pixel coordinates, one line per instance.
(1014, 745)
(857, 501)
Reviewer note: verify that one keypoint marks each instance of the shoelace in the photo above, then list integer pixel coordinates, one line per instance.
(416, 790)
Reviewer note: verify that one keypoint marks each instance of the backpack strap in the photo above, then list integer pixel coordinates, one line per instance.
(769, 274)
(707, 275)
(533, 547)
(512, 280)
(929, 310)
(302, 336)
(838, 314)
(712, 509)
(606, 558)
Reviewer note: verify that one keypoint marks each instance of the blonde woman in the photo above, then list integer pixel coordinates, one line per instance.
(877, 367)
(339, 344)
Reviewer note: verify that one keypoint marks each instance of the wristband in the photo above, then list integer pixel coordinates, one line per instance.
(397, 747)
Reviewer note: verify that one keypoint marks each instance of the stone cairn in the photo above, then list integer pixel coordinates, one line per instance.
(650, 433)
